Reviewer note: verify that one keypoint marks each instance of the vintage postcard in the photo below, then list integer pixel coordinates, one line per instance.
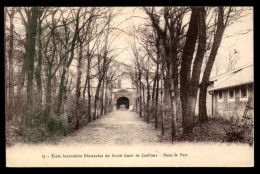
(129, 86)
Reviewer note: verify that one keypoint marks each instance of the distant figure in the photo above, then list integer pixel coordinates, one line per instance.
(122, 108)
(127, 105)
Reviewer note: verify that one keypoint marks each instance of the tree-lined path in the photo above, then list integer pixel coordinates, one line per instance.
(67, 66)
(119, 127)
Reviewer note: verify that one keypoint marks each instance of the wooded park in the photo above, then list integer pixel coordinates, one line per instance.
(65, 65)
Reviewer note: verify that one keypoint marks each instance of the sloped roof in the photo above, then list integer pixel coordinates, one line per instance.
(237, 77)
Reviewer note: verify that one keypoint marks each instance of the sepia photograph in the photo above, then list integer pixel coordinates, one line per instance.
(137, 86)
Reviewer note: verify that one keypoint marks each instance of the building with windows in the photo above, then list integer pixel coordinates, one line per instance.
(124, 93)
(232, 93)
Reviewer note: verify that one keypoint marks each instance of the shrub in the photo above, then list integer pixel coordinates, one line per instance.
(35, 134)
(239, 131)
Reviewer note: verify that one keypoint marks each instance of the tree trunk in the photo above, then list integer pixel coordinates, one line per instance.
(110, 89)
(194, 81)
(106, 99)
(157, 80)
(176, 88)
(102, 99)
(48, 94)
(140, 92)
(6, 69)
(205, 79)
(203, 117)
(173, 98)
(162, 100)
(153, 90)
(88, 87)
(174, 116)
(11, 56)
(67, 65)
(136, 99)
(95, 107)
(187, 56)
(21, 82)
(148, 97)
(39, 67)
(65, 97)
(63, 77)
(97, 98)
(84, 89)
(61, 91)
(78, 87)
(30, 53)
(144, 113)
(163, 110)
(156, 96)
(89, 100)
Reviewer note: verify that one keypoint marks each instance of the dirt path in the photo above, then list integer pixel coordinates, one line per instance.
(123, 135)
(119, 127)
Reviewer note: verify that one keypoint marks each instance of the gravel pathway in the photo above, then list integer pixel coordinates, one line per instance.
(119, 127)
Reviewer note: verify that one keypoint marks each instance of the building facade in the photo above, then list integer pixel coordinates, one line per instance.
(232, 93)
(124, 93)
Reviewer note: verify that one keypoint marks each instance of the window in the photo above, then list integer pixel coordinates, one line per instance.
(231, 95)
(220, 97)
(243, 93)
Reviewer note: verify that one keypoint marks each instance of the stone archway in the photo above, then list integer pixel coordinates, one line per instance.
(122, 101)
(126, 98)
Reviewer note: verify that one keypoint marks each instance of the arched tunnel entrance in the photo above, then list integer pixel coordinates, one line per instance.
(122, 102)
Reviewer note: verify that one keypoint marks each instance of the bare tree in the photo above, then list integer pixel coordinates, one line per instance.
(232, 60)
(190, 78)
(217, 67)
(11, 56)
(30, 53)
(170, 38)
(83, 38)
(6, 69)
(226, 17)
